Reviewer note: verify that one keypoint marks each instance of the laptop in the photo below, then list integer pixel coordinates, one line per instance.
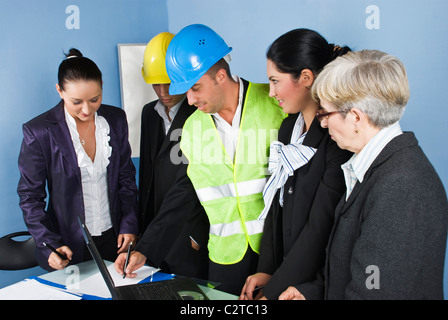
(182, 288)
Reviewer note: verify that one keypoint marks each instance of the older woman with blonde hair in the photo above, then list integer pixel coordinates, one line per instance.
(389, 237)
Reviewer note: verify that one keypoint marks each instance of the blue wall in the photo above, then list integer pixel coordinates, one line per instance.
(414, 31)
(34, 35)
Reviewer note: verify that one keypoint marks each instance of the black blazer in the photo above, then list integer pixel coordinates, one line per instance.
(394, 221)
(157, 172)
(157, 175)
(295, 236)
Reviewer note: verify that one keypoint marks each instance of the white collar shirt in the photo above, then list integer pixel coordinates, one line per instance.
(229, 132)
(160, 108)
(355, 169)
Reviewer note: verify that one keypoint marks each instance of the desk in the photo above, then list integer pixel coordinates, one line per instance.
(89, 268)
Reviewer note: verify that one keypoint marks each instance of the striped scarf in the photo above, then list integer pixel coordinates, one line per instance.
(283, 161)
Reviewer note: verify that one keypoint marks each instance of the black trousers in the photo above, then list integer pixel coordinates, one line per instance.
(106, 244)
(233, 276)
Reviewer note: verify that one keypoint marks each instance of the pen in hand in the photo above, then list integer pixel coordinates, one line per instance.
(127, 260)
(60, 255)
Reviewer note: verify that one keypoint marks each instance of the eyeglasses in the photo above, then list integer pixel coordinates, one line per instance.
(324, 115)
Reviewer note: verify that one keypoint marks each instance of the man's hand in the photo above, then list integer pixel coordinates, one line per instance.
(291, 294)
(253, 282)
(136, 261)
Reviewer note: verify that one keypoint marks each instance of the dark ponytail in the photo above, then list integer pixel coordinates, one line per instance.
(76, 67)
(301, 49)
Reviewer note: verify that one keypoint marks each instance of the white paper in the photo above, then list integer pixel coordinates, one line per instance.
(95, 285)
(31, 289)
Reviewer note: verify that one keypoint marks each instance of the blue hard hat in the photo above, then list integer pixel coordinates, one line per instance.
(190, 54)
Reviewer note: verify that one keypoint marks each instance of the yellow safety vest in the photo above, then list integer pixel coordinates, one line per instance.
(231, 190)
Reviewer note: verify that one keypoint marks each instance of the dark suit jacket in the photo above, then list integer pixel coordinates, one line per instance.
(295, 236)
(157, 171)
(48, 159)
(159, 165)
(393, 227)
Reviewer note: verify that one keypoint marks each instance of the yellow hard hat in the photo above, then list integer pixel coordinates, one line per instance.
(154, 70)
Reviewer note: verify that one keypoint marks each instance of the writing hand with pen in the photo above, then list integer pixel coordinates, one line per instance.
(127, 263)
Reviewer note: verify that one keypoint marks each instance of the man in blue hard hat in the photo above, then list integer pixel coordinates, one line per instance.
(226, 142)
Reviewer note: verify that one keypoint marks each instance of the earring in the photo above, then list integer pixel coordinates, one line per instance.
(308, 87)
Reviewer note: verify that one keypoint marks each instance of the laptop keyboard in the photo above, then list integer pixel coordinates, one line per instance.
(154, 291)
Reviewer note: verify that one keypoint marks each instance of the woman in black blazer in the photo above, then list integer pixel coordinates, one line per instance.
(389, 236)
(307, 181)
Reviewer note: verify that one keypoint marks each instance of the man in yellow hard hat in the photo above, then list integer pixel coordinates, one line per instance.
(161, 124)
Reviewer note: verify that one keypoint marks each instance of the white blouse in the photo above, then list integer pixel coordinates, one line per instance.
(94, 175)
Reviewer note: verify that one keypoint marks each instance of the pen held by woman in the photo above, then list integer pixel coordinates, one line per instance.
(60, 257)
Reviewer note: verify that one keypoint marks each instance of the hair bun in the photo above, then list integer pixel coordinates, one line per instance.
(73, 53)
(337, 51)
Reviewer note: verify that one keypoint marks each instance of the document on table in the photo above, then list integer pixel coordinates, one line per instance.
(31, 289)
(95, 285)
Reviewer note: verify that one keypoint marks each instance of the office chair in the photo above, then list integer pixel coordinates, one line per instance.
(17, 255)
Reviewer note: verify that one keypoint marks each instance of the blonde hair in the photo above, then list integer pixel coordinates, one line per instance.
(370, 80)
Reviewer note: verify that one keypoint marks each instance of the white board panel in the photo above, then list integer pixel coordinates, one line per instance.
(135, 92)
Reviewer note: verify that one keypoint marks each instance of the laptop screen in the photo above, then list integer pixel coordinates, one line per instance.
(97, 258)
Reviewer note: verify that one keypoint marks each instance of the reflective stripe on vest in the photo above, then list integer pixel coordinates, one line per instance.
(228, 190)
(229, 229)
(231, 192)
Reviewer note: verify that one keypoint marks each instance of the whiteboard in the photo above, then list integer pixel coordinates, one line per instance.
(135, 92)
